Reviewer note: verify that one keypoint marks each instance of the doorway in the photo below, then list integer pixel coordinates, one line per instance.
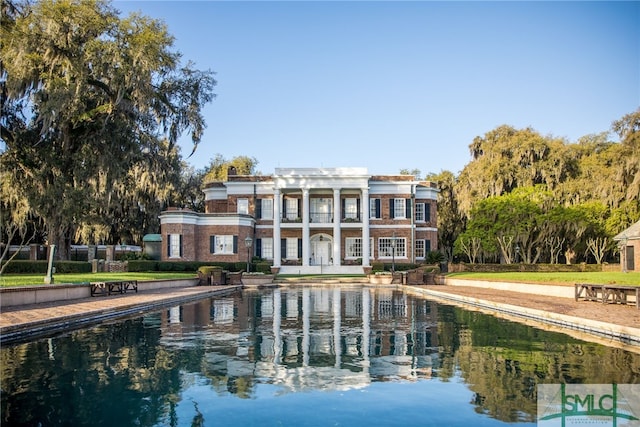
(321, 248)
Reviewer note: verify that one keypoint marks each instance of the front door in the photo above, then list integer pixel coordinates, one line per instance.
(320, 251)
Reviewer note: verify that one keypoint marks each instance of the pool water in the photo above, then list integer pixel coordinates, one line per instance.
(300, 356)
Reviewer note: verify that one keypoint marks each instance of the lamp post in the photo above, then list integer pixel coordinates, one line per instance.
(248, 241)
(517, 253)
(393, 252)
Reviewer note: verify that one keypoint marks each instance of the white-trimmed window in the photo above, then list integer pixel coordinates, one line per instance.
(267, 248)
(351, 208)
(223, 245)
(386, 247)
(292, 248)
(420, 213)
(266, 211)
(399, 209)
(291, 208)
(243, 206)
(374, 208)
(420, 249)
(353, 247)
(175, 246)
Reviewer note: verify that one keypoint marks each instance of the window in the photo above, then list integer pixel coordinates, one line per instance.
(420, 253)
(291, 208)
(353, 248)
(224, 244)
(420, 212)
(175, 246)
(374, 208)
(399, 209)
(350, 208)
(266, 248)
(321, 209)
(243, 206)
(292, 248)
(266, 211)
(385, 247)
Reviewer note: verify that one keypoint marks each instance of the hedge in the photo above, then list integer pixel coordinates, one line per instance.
(40, 267)
(529, 268)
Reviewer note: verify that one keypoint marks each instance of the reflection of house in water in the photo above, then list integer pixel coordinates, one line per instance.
(312, 337)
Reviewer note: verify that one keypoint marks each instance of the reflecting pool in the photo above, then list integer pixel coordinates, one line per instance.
(303, 356)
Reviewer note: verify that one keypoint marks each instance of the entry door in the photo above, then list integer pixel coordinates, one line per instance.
(630, 259)
(320, 252)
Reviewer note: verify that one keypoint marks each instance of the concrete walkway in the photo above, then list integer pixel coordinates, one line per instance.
(30, 321)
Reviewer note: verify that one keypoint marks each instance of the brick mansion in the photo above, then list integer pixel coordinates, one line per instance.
(307, 221)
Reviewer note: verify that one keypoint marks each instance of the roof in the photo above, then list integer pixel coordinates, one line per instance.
(152, 238)
(632, 233)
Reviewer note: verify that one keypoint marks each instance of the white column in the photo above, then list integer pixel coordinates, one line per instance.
(337, 214)
(277, 250)
(337, 320)
(305, 227)
(277, 321)
(306, 326)
(364, 207)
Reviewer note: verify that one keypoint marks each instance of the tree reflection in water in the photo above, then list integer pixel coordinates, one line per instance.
(287, 341)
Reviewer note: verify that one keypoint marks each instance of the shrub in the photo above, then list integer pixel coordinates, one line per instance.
(142, 265)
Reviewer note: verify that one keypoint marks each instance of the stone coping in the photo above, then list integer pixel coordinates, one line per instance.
(587, 329)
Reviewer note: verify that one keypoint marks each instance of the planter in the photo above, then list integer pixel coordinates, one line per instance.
(257, 279)
(381, 279)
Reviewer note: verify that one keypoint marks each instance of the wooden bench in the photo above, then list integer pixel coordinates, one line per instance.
(115, 287)
(615, 294)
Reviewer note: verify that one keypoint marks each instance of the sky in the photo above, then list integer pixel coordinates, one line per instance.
(391, 85)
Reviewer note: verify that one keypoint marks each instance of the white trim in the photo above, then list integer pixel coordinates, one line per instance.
(192, 218)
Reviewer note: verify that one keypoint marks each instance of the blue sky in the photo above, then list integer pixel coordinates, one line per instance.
(400, 85)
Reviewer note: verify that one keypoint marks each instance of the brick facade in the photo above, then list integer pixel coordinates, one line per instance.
(328, 190)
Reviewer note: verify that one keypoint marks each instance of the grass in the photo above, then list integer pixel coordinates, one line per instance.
(38, 279)
(605, 278)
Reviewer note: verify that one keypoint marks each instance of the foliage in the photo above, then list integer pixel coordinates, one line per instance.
(26, 267)
(450, 221)
(219, 167)
(92, 108)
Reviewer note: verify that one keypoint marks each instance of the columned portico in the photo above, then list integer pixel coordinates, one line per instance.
(336, 227)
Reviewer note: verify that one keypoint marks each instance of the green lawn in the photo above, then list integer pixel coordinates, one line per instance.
(618, 278)
(38, 279)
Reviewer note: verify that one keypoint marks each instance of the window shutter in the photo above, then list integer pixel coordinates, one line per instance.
(259, 248)
(408, 208)
(378, 213)
(358, 208)
(392, 213)
(299, 213)
(283, 248)
(258, 208)
(168, 245)
(212, 244)
(235, 244)
(427, 246)
(427, 212)
(283, 211)
(299, 248)
(342, 213)
(181, 246)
